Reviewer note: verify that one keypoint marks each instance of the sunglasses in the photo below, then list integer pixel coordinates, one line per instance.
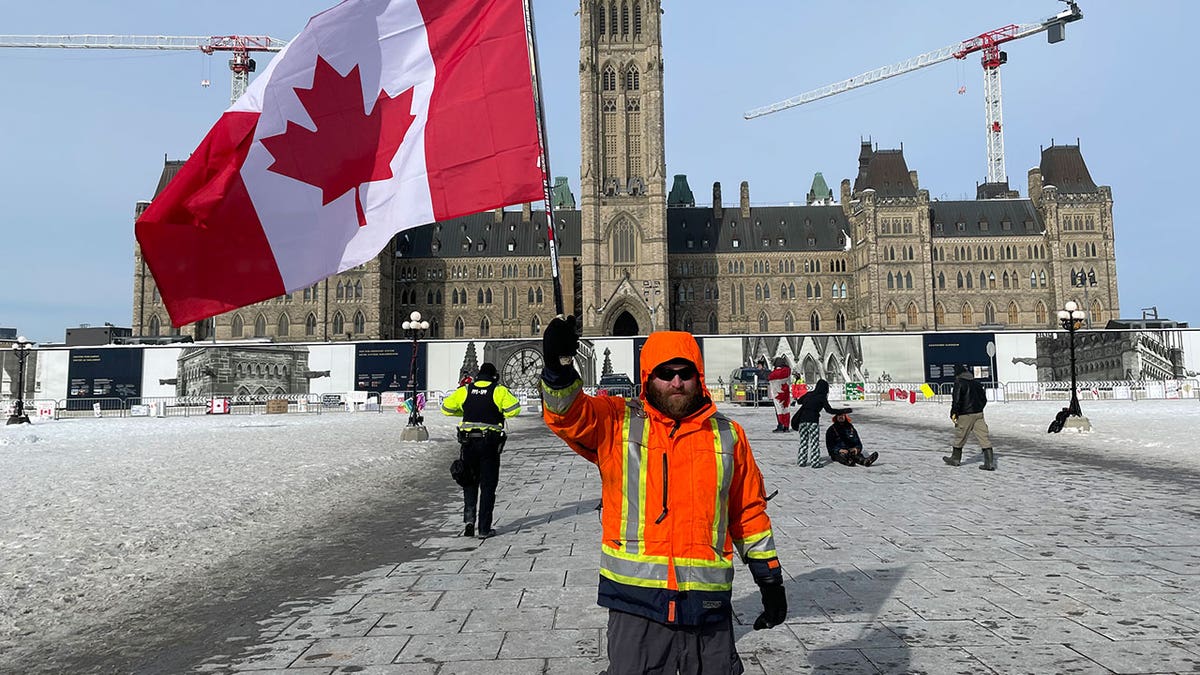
(667, 373)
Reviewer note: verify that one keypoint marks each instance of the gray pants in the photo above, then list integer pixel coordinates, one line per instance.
(809, 453)
(968, 423)
(639, 646)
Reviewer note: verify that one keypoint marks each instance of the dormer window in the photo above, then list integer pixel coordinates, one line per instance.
(736, 243)
(766, 243)
(961, 227)
(691, 243)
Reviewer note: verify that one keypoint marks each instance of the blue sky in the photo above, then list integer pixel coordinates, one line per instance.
(84, 133)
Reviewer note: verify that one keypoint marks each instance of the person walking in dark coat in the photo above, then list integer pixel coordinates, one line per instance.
(967, 400)
(807, 421)
(844, 445)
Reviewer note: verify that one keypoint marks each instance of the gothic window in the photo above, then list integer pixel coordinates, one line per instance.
(908, 280)
(941, 281)
(939, 314)
(600, 23)
(1014, 314)
(530, 296)
(970, 282)
(310, 325)
(766, 292)
(479, 296)
(912, 315)
(307, 293)
(612, 18)
(360, 323)
(762, 322)
(438, 297)
(341, 291)
(890, 314)
(789, 322)
(358, 290)
(890, 282)
(623, 252)
(538, 294)
(339, 323)
(260, 326)
(817, 290)
(840, 321)
(633, 79)
(637, 18)
(968, 314)
(782, 291)
(535, 327)
(1097, 314)
(960, 280)
(624, 18)
(487, 296)
(989, 313)
(238, 326)
(155, 326)
(1042, 279)
(791, 291)
(814, 321)
(983, 280)
(282, 327)
(1032, 279)
(633, 134)
(712, 324)
(844, 294)
(1005, 278)
(485, 327)
(808, 291)
(460, 327)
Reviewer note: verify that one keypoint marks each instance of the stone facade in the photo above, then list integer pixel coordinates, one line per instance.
(879, 255)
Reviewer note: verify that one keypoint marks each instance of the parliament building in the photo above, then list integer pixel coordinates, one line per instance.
(876, 255)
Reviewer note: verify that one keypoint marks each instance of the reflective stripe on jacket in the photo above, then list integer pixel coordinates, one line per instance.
(678, 498)
(476, 416)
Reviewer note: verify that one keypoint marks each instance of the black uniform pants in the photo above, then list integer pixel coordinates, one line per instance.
(639, 646)
(482, 456)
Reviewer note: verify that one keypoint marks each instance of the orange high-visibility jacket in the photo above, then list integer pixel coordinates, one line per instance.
(677, 496)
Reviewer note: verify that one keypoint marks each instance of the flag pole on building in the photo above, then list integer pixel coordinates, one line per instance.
(536, 73)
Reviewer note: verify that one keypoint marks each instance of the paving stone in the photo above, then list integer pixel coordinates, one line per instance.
(436, 622)
(1036, 660)
(535, 666)
(482, 598)
(1133, 627)
(848, 635)
(362, 651)
(330, 626)
(452, 648)
(410, 601)
(1140, 656)
(943, 633)
(552, 643)
(1041, 630)
(523, 618)
(925, 661)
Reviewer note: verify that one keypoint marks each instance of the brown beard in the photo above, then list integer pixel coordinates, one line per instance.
(675, 407)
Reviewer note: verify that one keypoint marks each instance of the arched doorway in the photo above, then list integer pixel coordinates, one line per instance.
(625, 325)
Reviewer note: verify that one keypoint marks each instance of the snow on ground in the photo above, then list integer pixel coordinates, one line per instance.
(94, 510)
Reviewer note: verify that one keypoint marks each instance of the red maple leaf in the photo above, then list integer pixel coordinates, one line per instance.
(349, 147)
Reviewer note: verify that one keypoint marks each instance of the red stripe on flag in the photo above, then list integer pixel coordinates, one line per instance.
(481, 144)
(201, 237)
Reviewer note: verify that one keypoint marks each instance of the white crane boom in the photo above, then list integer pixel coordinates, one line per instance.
(240, 62)
(988, 43)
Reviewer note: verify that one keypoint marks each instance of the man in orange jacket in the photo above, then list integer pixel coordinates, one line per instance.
(680, 490)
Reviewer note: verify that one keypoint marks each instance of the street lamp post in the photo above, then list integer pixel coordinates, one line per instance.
(21, 350)
(1071, 318)
(414, 328)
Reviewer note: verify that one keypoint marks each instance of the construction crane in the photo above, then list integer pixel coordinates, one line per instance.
(240, 46)
(992, 58)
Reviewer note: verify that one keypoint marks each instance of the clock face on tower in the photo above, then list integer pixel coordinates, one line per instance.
(522, 368)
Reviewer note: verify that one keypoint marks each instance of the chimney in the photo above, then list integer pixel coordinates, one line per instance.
(526, 212)
(746, 199)
(718, 209)
(498, 215)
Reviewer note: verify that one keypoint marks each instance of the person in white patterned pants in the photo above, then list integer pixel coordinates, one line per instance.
(807, 421)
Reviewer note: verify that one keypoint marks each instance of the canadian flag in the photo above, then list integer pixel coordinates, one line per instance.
(382, 115)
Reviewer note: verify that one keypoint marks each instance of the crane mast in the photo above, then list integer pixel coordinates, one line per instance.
(239, 46)
(992, 58)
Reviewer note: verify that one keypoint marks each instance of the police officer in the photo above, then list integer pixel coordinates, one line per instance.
(483, 404)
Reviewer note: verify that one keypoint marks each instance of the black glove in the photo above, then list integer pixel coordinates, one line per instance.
(560, 341)
(774, 600)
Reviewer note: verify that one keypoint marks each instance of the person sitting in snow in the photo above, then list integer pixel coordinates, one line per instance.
(844, 445)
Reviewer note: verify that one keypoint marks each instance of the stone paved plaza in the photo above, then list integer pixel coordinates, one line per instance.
(1071, 558)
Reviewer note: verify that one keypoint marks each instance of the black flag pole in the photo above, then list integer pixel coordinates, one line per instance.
(540, 110)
